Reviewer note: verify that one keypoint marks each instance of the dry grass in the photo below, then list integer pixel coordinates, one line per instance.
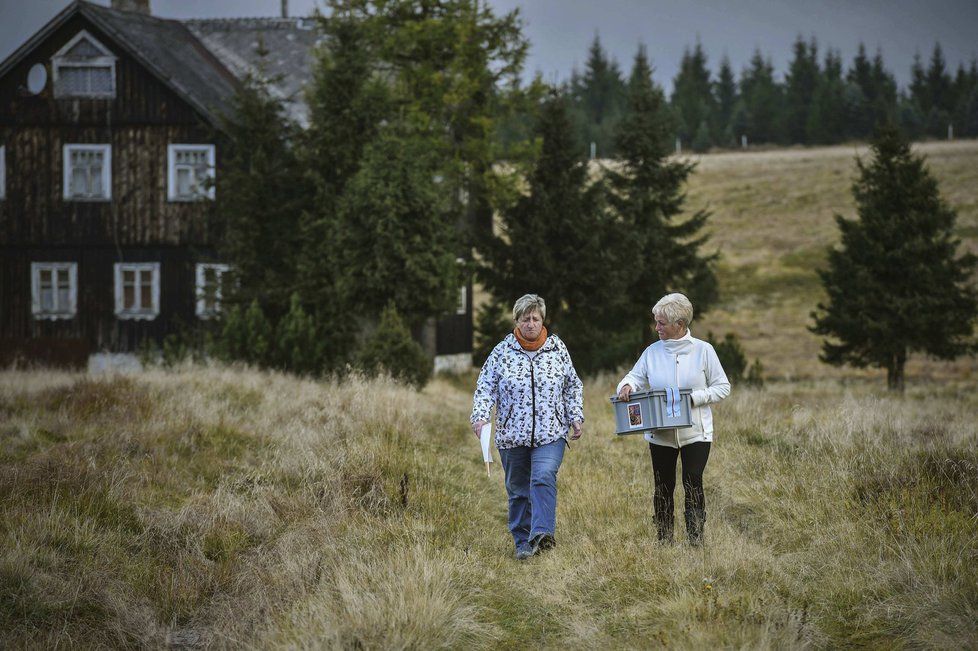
(226, 507)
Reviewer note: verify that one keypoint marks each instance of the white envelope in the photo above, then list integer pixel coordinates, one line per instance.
(486, 442)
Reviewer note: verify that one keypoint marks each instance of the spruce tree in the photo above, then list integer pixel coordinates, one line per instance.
(390, 349)
(348, 99)
(885, 92)
(763, 100)
(395, 238)
(692, 95)
(801, 84)
(939, 94)
(663, 247)
(827, 118)
(598, 97)
(896, 285)
(262, 192)
(557, 241)
(725, 92)
(399, 79)
(919, 89)
(861, 92)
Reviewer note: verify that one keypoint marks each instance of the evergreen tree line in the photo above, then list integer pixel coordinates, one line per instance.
(819, 101)
(350, 236)
(344, 236)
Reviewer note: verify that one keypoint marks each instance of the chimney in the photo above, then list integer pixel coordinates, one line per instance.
(138, 6)
(285, 8)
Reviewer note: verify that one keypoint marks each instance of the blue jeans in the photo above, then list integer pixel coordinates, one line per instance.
(531, 482)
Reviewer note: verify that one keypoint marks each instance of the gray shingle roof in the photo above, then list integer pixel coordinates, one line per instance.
(204, 60)
(289, 43)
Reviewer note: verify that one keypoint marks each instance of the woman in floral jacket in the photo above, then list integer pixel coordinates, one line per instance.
(530, 379)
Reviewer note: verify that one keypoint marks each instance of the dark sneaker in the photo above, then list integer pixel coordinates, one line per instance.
(543, 542)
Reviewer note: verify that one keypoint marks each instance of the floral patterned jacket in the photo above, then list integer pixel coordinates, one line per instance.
(536, 398)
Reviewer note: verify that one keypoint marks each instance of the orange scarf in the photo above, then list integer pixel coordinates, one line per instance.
(526, 344)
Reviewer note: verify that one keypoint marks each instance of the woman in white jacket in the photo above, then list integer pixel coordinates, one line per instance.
(679, 360)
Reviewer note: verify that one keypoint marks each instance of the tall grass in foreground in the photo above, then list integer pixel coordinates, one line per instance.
(221, 507)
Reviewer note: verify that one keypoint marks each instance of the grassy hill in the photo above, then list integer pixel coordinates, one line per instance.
(225, 507)
(773, 221)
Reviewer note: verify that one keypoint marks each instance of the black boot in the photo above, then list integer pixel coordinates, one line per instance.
(695, 521)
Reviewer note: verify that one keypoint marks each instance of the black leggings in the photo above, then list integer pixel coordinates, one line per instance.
(664, 459)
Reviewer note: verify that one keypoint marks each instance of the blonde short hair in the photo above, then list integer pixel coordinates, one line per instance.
(674, 308)
(528, 303)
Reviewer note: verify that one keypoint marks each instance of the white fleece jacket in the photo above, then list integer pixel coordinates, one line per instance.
(687, 363)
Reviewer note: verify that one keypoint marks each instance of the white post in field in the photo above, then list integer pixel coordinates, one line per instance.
(679, 145)
(743, 141)
(950, 131)
(594, 150)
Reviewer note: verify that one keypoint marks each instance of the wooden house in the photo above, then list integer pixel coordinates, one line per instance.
(110, 130)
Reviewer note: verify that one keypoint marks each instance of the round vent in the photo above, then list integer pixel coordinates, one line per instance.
(37, 78)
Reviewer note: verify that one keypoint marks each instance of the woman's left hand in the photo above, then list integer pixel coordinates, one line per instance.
(578, 428)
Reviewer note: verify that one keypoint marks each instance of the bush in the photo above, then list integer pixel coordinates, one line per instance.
(245, 336)
(391, 349)
(755, 375)
(299, 348)
(731, 355)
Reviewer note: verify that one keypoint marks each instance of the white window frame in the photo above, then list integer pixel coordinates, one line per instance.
(62, 312)
(202, 267)
(107, 60)
(3, 172)
(171, 171)
(106, 171)
(463, 300)
(461, 307)
(141, 314)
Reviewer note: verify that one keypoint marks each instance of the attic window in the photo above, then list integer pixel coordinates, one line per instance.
(84, 68)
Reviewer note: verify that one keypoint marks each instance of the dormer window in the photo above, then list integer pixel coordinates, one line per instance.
(84, 68)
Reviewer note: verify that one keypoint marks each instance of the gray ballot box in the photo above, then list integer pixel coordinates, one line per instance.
(650, 410)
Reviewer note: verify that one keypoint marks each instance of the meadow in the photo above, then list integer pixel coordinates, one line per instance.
(210, 506)
(219, 507)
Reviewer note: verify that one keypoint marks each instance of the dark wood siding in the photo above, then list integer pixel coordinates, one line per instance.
(95, 320)
(454, 331)
(139, 213)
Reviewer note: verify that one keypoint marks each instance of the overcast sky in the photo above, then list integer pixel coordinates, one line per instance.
(560, 31)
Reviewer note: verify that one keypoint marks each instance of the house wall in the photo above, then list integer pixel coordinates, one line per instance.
(138, 223)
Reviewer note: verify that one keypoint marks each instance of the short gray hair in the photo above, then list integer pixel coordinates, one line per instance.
(674, 308)
(528, 303)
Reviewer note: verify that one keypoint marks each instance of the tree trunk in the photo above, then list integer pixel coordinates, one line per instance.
(429, 337)
(894, 372)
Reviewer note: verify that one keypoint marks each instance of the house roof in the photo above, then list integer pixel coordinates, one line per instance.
(289, 44)
(172, 52)
(203, 60)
